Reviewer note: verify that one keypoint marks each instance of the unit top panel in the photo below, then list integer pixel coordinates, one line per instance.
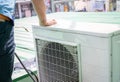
(96, 29)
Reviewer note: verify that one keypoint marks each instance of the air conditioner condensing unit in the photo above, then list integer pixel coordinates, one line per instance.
(78, 52)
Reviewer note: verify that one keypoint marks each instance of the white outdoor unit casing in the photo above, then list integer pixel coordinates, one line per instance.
(78, 52)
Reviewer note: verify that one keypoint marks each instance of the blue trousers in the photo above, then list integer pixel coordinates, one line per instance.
(7, 48)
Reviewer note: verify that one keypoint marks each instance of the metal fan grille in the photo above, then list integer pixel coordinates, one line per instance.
(56, 63)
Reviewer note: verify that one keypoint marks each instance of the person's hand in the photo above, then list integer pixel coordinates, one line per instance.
(48, 22)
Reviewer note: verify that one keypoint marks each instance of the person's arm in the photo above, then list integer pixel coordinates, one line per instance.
(40, 8)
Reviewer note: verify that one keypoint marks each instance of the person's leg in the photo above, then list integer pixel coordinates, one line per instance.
(6, 51)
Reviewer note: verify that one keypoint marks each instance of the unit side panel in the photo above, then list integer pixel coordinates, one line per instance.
(116, 59)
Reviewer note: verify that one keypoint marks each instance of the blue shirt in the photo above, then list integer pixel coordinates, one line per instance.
(7, 8)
